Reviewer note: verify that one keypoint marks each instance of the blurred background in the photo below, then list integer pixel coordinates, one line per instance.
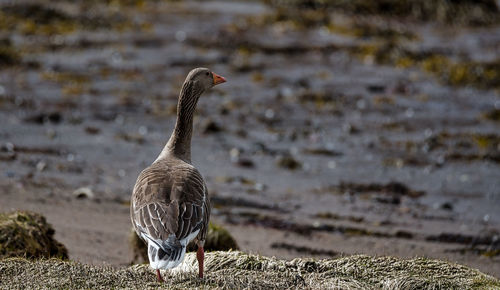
(345, 127)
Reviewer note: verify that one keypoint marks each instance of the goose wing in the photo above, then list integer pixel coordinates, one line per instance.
(170, 200)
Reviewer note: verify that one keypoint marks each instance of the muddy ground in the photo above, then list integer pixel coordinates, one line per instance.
(337, 132)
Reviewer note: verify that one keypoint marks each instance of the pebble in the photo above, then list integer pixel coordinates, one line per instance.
(83, 192)
(40, 166)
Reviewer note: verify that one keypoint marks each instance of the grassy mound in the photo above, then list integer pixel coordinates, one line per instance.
(27, 234)
(218, 239)
(239, 270)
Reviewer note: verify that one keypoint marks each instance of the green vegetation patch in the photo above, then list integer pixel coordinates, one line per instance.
(27, 234)
(237, 270)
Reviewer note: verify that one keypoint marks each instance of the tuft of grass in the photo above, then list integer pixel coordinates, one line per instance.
(238, 270)
(27, 234)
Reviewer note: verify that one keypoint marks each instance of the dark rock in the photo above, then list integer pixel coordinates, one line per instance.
(454, 238)
(321, 151)
(8, 54)
(388, 199)
(403, 235)
(447, 206)
(245, 162)
(211, 126)
(134, 138)
(389, 188)
(241, 202)
(288, 162)
(42, 118)
(92, 130)
(376, 88)
(304, 249)
(9, 156)
(493, 115)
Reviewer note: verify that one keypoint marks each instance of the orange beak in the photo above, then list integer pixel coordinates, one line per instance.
(218, 79)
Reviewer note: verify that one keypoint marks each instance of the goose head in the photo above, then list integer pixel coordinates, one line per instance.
(204, 78)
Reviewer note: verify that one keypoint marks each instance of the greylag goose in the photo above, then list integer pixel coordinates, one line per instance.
(170, 205)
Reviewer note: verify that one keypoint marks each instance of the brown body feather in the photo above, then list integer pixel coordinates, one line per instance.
(170, 197)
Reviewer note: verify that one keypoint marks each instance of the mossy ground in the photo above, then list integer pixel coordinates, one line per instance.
(27, 234)
(237, 270)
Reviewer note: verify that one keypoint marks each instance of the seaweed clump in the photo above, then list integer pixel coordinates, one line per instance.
(493, 115)
(288, 162)
(47, 19)
(467, 12)
(483, 75)
(8, 55)
(35, 19)
(27, 234)
(218, 239)
(478, 74)
(466, 147)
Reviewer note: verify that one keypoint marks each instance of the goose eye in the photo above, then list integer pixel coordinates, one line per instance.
(207, 73)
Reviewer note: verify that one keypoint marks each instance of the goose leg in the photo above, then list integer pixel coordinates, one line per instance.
(200, 255)
(158, 275)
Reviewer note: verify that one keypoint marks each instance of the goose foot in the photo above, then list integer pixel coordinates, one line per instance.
(200, 255)
(158, 275)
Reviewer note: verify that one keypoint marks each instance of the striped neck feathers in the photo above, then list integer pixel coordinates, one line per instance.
(179, 143)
